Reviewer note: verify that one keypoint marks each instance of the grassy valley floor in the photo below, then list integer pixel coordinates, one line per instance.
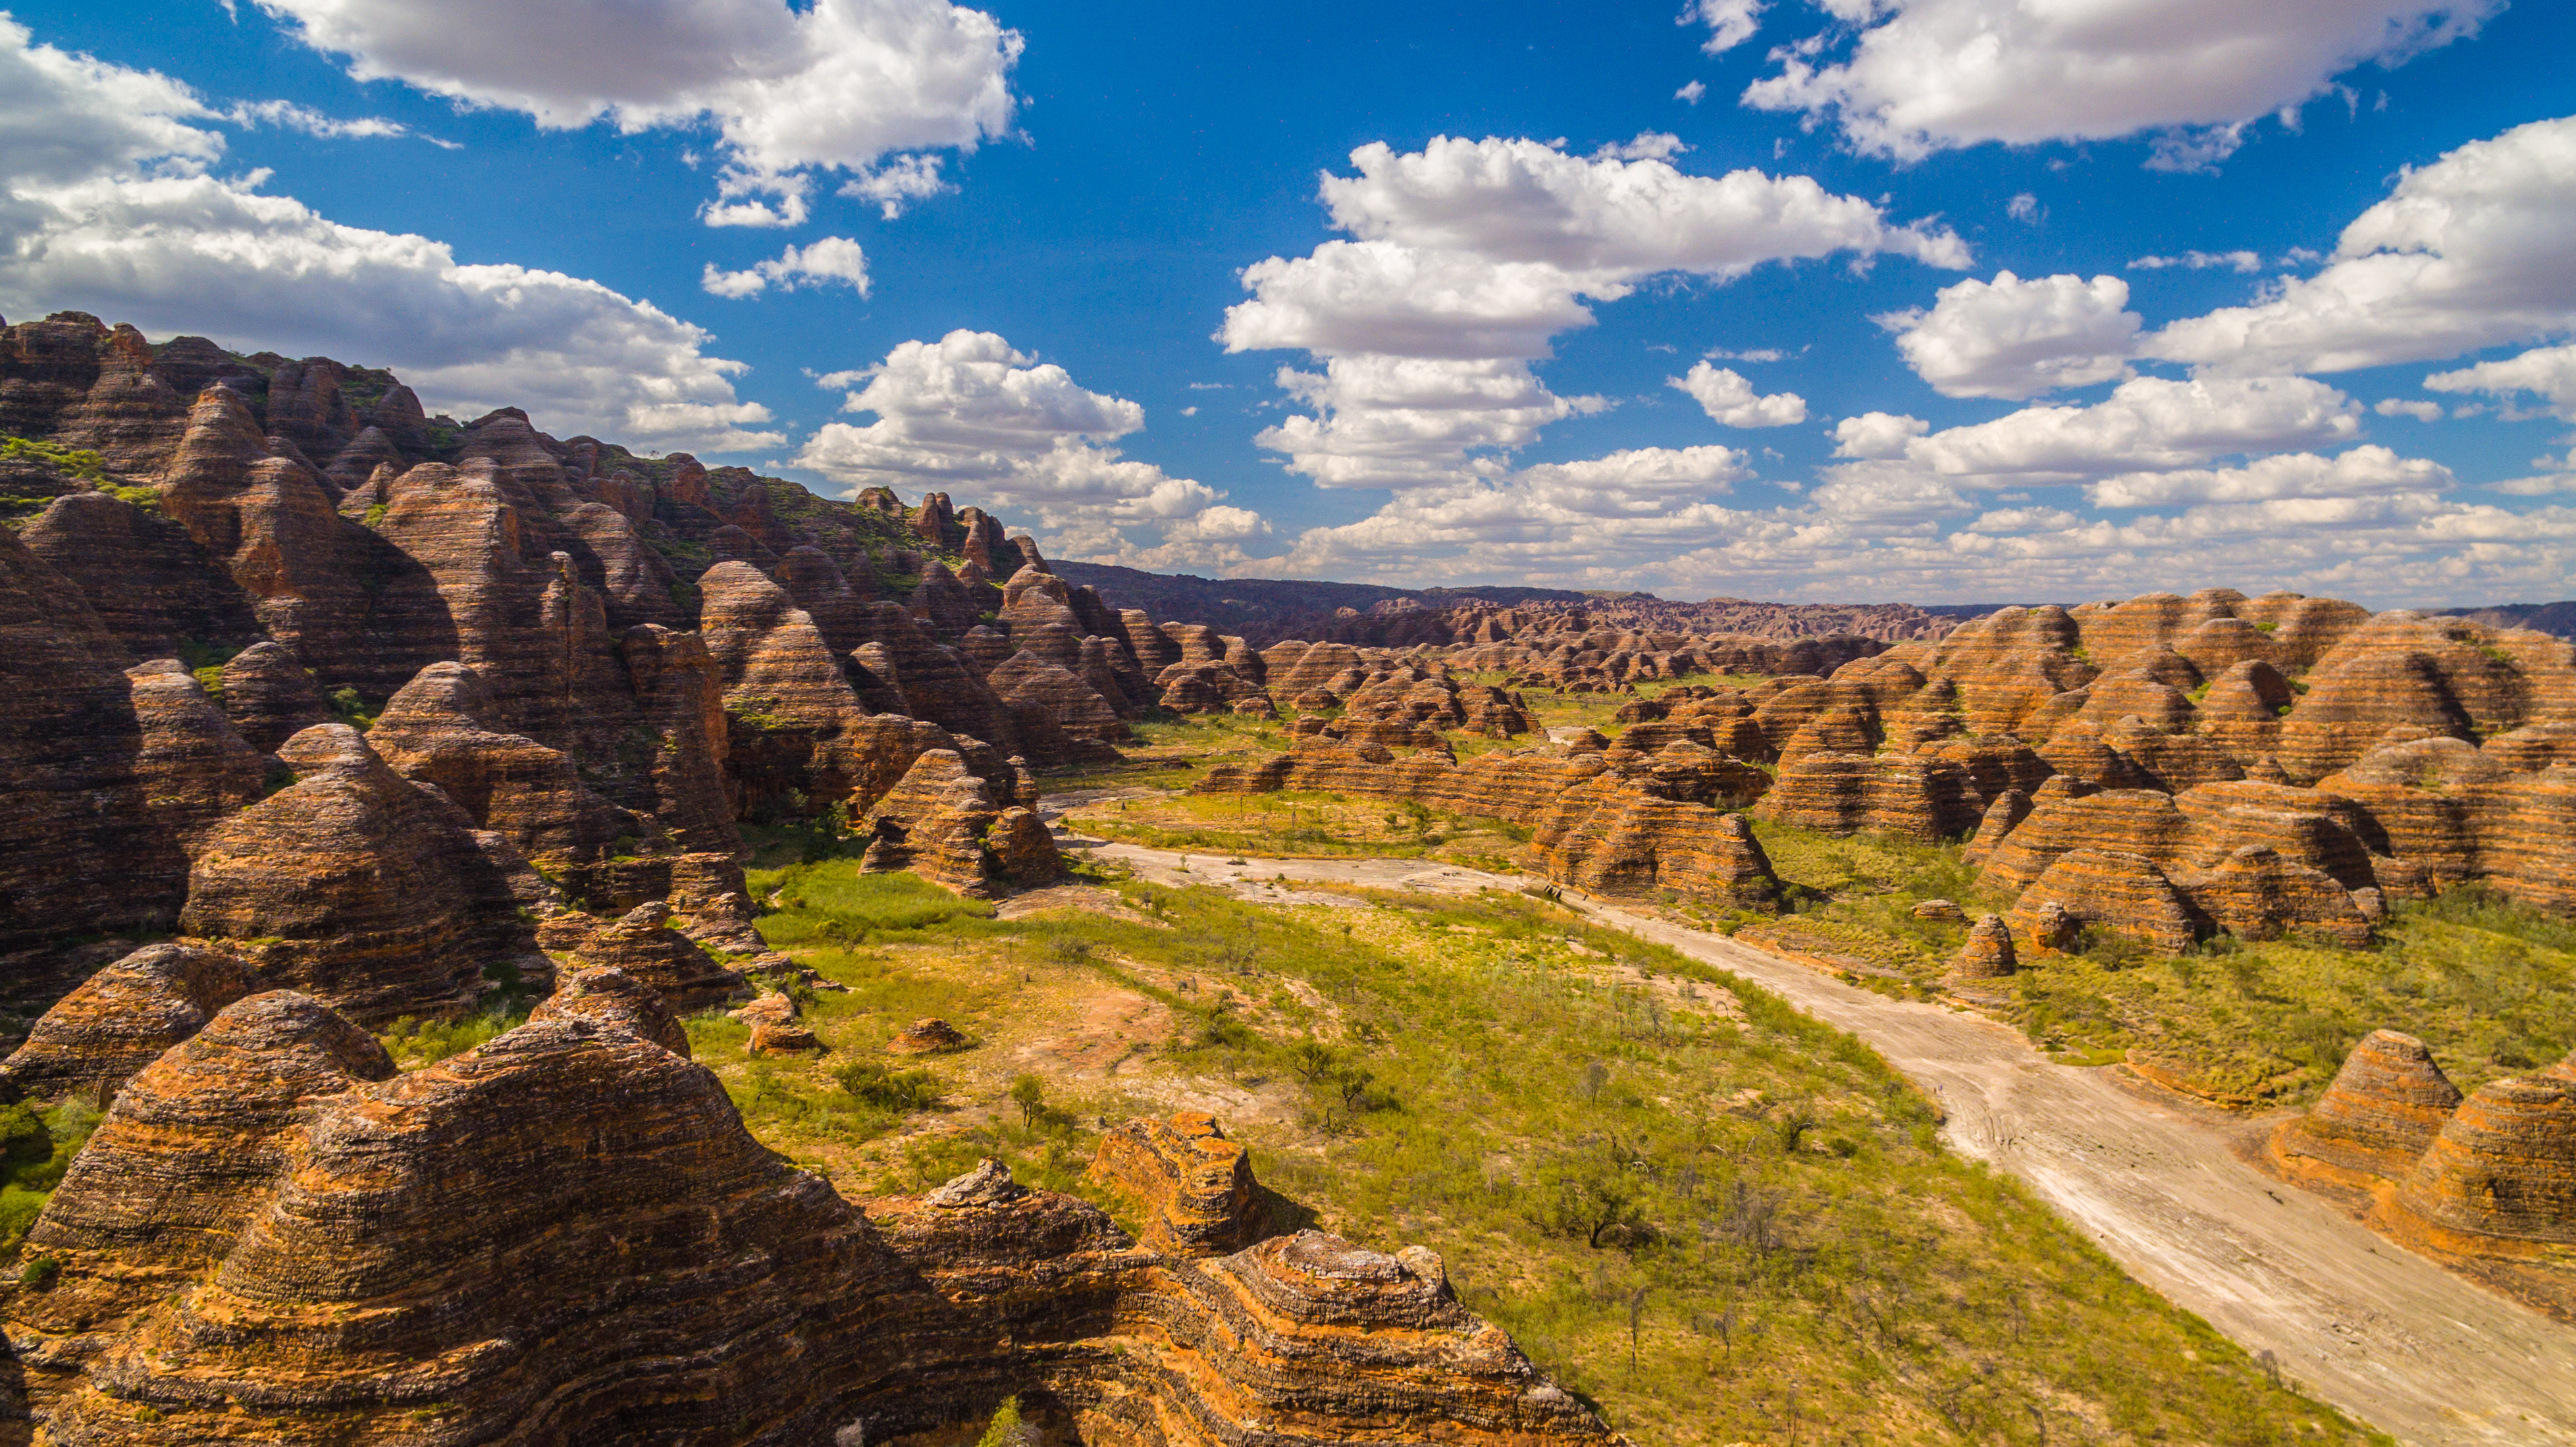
(1716, 1218)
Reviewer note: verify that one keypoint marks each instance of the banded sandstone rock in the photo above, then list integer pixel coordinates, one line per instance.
(613, 996)
(1988, 954)
(2376, 1120)
(270, 696)
(1195, 1185)
(360, 887)
(928, 1036)
(2500, 1178)
(2112, 890)
(327, 1253)
(642, 945)
(122, 1019)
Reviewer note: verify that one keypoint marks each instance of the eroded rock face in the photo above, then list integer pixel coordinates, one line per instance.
(155, 590)
(1988, 954)
(612, 996)
(2500, 1178)
(1195, 1185)
(2376, 1120)
(2114, 890)
(432, 732)
(324, 1251)
(270, 696)
(941, 822)
(187, 1154)
(1630, 843)
(122, 1019)
(580, 1124)
(74, 812)
(359, 887)
(642, 946)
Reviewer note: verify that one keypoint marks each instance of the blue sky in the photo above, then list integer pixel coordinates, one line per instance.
(1496, 337)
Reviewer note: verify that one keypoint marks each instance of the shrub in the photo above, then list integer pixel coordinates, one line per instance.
(871, 1082)
(1029, 1094)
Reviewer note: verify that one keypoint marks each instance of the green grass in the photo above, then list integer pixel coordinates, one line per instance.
(1718, 1230)
(832, 903)
(1301, 823)
(414, 1042)
(36, 1147)
(77, 462)
(2489, 984)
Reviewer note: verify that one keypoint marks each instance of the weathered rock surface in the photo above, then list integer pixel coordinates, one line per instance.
(1194, 1185)
(642, 945)
(1988, 954)
(612, 996)
(2111, 889)
(2376, 1120)
(270, 697)
(929, 1036)
(2500, 1178)
(361, 888)
(122, 1019)
(322, 1251)
(941, 822)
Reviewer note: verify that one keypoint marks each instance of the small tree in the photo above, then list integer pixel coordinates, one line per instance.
(1029, 1094)
(1586, 1198)
(1007, 1430)
(1312, 1059)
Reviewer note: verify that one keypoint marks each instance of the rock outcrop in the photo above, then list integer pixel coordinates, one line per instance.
(1193, 1185)
(275, 1238)
(122, 1019)
(642, 946)
(1988, 954)
(2376, 1120)
(361, 888)
(2499, 1180)
(942, 823)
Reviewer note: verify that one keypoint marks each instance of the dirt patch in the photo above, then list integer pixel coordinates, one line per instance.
(1089, 897)
(1104, 1029)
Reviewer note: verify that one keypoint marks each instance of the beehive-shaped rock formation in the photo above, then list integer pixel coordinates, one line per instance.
(1988, 954)
(361, 888)
(2376, 1120)
(643, 947)
(2500, 1178)
(122, 1019)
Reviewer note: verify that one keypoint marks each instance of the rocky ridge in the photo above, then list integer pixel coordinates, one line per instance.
(276, 1238)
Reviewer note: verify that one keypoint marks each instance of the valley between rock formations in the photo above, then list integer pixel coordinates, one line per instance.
(2383, 1334)
(504, 939)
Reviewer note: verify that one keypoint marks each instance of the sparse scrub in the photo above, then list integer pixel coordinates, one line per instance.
(1677, 1212)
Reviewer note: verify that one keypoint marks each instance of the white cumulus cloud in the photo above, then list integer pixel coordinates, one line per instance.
(1469, 257)
(1927, 75)
(971, 412)
(1729, 399)
(2545, 372)
(108, 204)
(2366, 471)
(2476, 249)
(2400, 407)
(1877, 434)
(831, 259)
(1730, 22)
(2240, 261)
(834, 85)
(2016, 339)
